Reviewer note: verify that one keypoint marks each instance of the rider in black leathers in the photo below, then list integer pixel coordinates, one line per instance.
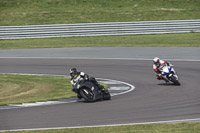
(75, 75)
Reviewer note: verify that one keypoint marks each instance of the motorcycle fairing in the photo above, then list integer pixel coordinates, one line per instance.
(165, 70)
(87, 84)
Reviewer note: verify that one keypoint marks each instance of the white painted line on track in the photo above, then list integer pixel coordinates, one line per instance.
(120, 88)
(131, 86)
(111, 125)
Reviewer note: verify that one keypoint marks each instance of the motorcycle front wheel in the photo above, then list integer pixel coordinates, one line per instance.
(87, 94)
(175, 81)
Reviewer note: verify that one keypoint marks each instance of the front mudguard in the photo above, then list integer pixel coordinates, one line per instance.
(174, 79)
(172, 75)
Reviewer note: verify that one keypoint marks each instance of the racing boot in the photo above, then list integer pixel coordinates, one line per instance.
(101, 87)
(104, 90)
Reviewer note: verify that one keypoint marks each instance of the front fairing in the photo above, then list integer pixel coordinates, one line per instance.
(87, 84)
(165, 70)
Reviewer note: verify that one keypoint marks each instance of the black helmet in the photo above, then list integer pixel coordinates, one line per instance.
(73, 72)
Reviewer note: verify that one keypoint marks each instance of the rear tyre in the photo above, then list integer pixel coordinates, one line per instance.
(106, 95)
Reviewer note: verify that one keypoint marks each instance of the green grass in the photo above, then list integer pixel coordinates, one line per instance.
(148, 128)
(163, 40)
(28, 88)
(34, 12)
(38, 12)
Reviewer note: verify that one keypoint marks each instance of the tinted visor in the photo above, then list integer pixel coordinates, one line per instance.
(72, 74)
(157, 64)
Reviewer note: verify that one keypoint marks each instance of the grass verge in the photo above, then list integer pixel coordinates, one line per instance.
(147, 128)
(15, 89)
(39, 12)
(162, 40)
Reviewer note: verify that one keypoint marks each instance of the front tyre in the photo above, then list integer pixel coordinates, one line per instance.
(175, 81)
(87, 94)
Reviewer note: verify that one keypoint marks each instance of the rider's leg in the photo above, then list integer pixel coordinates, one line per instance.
(93, 80)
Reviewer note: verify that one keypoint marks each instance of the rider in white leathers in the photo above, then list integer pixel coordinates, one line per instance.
(156, 64)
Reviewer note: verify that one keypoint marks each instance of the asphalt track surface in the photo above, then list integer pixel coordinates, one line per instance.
(151, 100)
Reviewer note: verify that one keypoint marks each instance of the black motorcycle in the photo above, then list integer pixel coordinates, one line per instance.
(90, 92)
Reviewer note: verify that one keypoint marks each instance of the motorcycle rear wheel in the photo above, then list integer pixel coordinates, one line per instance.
(106, 95)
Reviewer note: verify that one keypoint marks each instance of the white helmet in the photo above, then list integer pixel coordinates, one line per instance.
(156, 61)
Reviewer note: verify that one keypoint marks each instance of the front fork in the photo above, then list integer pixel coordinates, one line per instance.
(175, 75)
(170, 75)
